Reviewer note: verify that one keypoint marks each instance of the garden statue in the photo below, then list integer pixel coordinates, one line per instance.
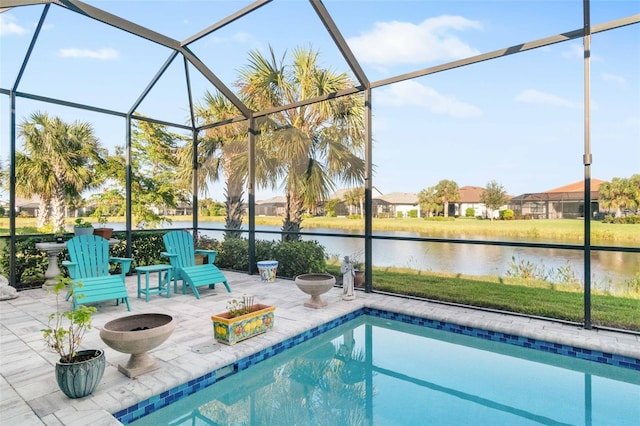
(6, 291)
(348, 273)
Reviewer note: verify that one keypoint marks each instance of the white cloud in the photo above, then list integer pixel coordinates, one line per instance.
(411, 93)
(243, 37)
(573, 51)
(8, 26)
(576, 51)
(239, 37)
(614, 78)
(102, 54)
(536, 97)
(396, 42)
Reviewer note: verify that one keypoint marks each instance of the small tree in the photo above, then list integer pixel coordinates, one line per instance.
(494, 196)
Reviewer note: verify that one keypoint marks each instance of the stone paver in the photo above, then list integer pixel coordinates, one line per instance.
(29, 394)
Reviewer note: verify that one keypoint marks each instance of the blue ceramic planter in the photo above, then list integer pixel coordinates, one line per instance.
(79, 379)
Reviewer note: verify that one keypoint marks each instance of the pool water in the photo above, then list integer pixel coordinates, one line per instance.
(375, 371)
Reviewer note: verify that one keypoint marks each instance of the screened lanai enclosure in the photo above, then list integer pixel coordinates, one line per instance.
(296, 110)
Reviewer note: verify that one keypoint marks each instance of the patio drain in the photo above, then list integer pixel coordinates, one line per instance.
(205, 348)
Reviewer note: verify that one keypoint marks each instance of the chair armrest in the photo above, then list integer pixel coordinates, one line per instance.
(169, 255)
(72, 267)
(124, 261)
(211, 254)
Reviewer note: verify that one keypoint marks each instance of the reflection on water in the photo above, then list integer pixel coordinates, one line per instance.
(609, 270)
(375, 371)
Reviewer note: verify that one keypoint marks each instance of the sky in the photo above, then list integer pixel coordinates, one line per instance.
(517, 120)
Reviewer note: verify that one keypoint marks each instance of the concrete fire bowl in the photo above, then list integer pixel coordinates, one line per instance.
(136, 335)
(315, 285)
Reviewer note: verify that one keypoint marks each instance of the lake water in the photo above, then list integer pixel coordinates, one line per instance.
(609, 270)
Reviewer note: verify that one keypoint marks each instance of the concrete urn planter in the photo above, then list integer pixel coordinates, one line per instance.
(315, 285)
(136, 335)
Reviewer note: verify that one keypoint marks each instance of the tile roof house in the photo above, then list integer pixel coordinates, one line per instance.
(565, 202)
(396, 204)
(470, 198)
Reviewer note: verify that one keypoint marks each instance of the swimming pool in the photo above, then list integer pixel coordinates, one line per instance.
(375, 370)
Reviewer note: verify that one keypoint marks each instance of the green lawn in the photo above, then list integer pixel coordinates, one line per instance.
(548, 229)
(531, 298)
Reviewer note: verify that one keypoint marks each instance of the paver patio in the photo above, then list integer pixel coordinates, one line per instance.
(30, 396)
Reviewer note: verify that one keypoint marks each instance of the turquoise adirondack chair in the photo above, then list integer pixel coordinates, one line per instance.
(89, 265)
(181, 253)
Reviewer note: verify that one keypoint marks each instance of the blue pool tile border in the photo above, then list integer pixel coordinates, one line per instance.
(156, 402)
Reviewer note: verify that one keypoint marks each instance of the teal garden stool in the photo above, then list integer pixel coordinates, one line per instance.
(164, 283)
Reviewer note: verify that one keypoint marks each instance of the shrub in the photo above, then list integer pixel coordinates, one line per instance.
(470, 212)
(299, 257)
(399, 215)
(525, 269)
(31, 263)
(145, 248)
(633, 219)
(294, 257)
(234, 254)
(413, 213)
(507, 214)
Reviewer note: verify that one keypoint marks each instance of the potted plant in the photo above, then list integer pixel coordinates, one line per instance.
(59, 234)
(203, 244)
(82, 227)
(242, 320)
(358, 269)
(78, 372)
(102, 231)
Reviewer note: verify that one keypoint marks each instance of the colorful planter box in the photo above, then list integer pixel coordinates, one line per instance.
(233, 330)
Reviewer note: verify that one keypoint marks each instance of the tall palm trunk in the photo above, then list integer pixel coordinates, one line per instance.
(44, 211)
(234, 192)
(57, 207)
(293, 217)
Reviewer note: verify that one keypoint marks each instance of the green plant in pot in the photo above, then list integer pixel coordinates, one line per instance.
(205, 246)
(243, 319)
(59, 235)
(358, 269)
(82, 227)
(103, 231)
(78, 372)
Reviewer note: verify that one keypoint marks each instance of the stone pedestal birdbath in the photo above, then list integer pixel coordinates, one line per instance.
(315, 285)
(136, 335)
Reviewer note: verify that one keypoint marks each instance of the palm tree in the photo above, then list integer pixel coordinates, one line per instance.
(316, 144)
(355, 198)
(448, 191)
(620, 193)
(224, 151)
(57, 163)
(429, 201)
